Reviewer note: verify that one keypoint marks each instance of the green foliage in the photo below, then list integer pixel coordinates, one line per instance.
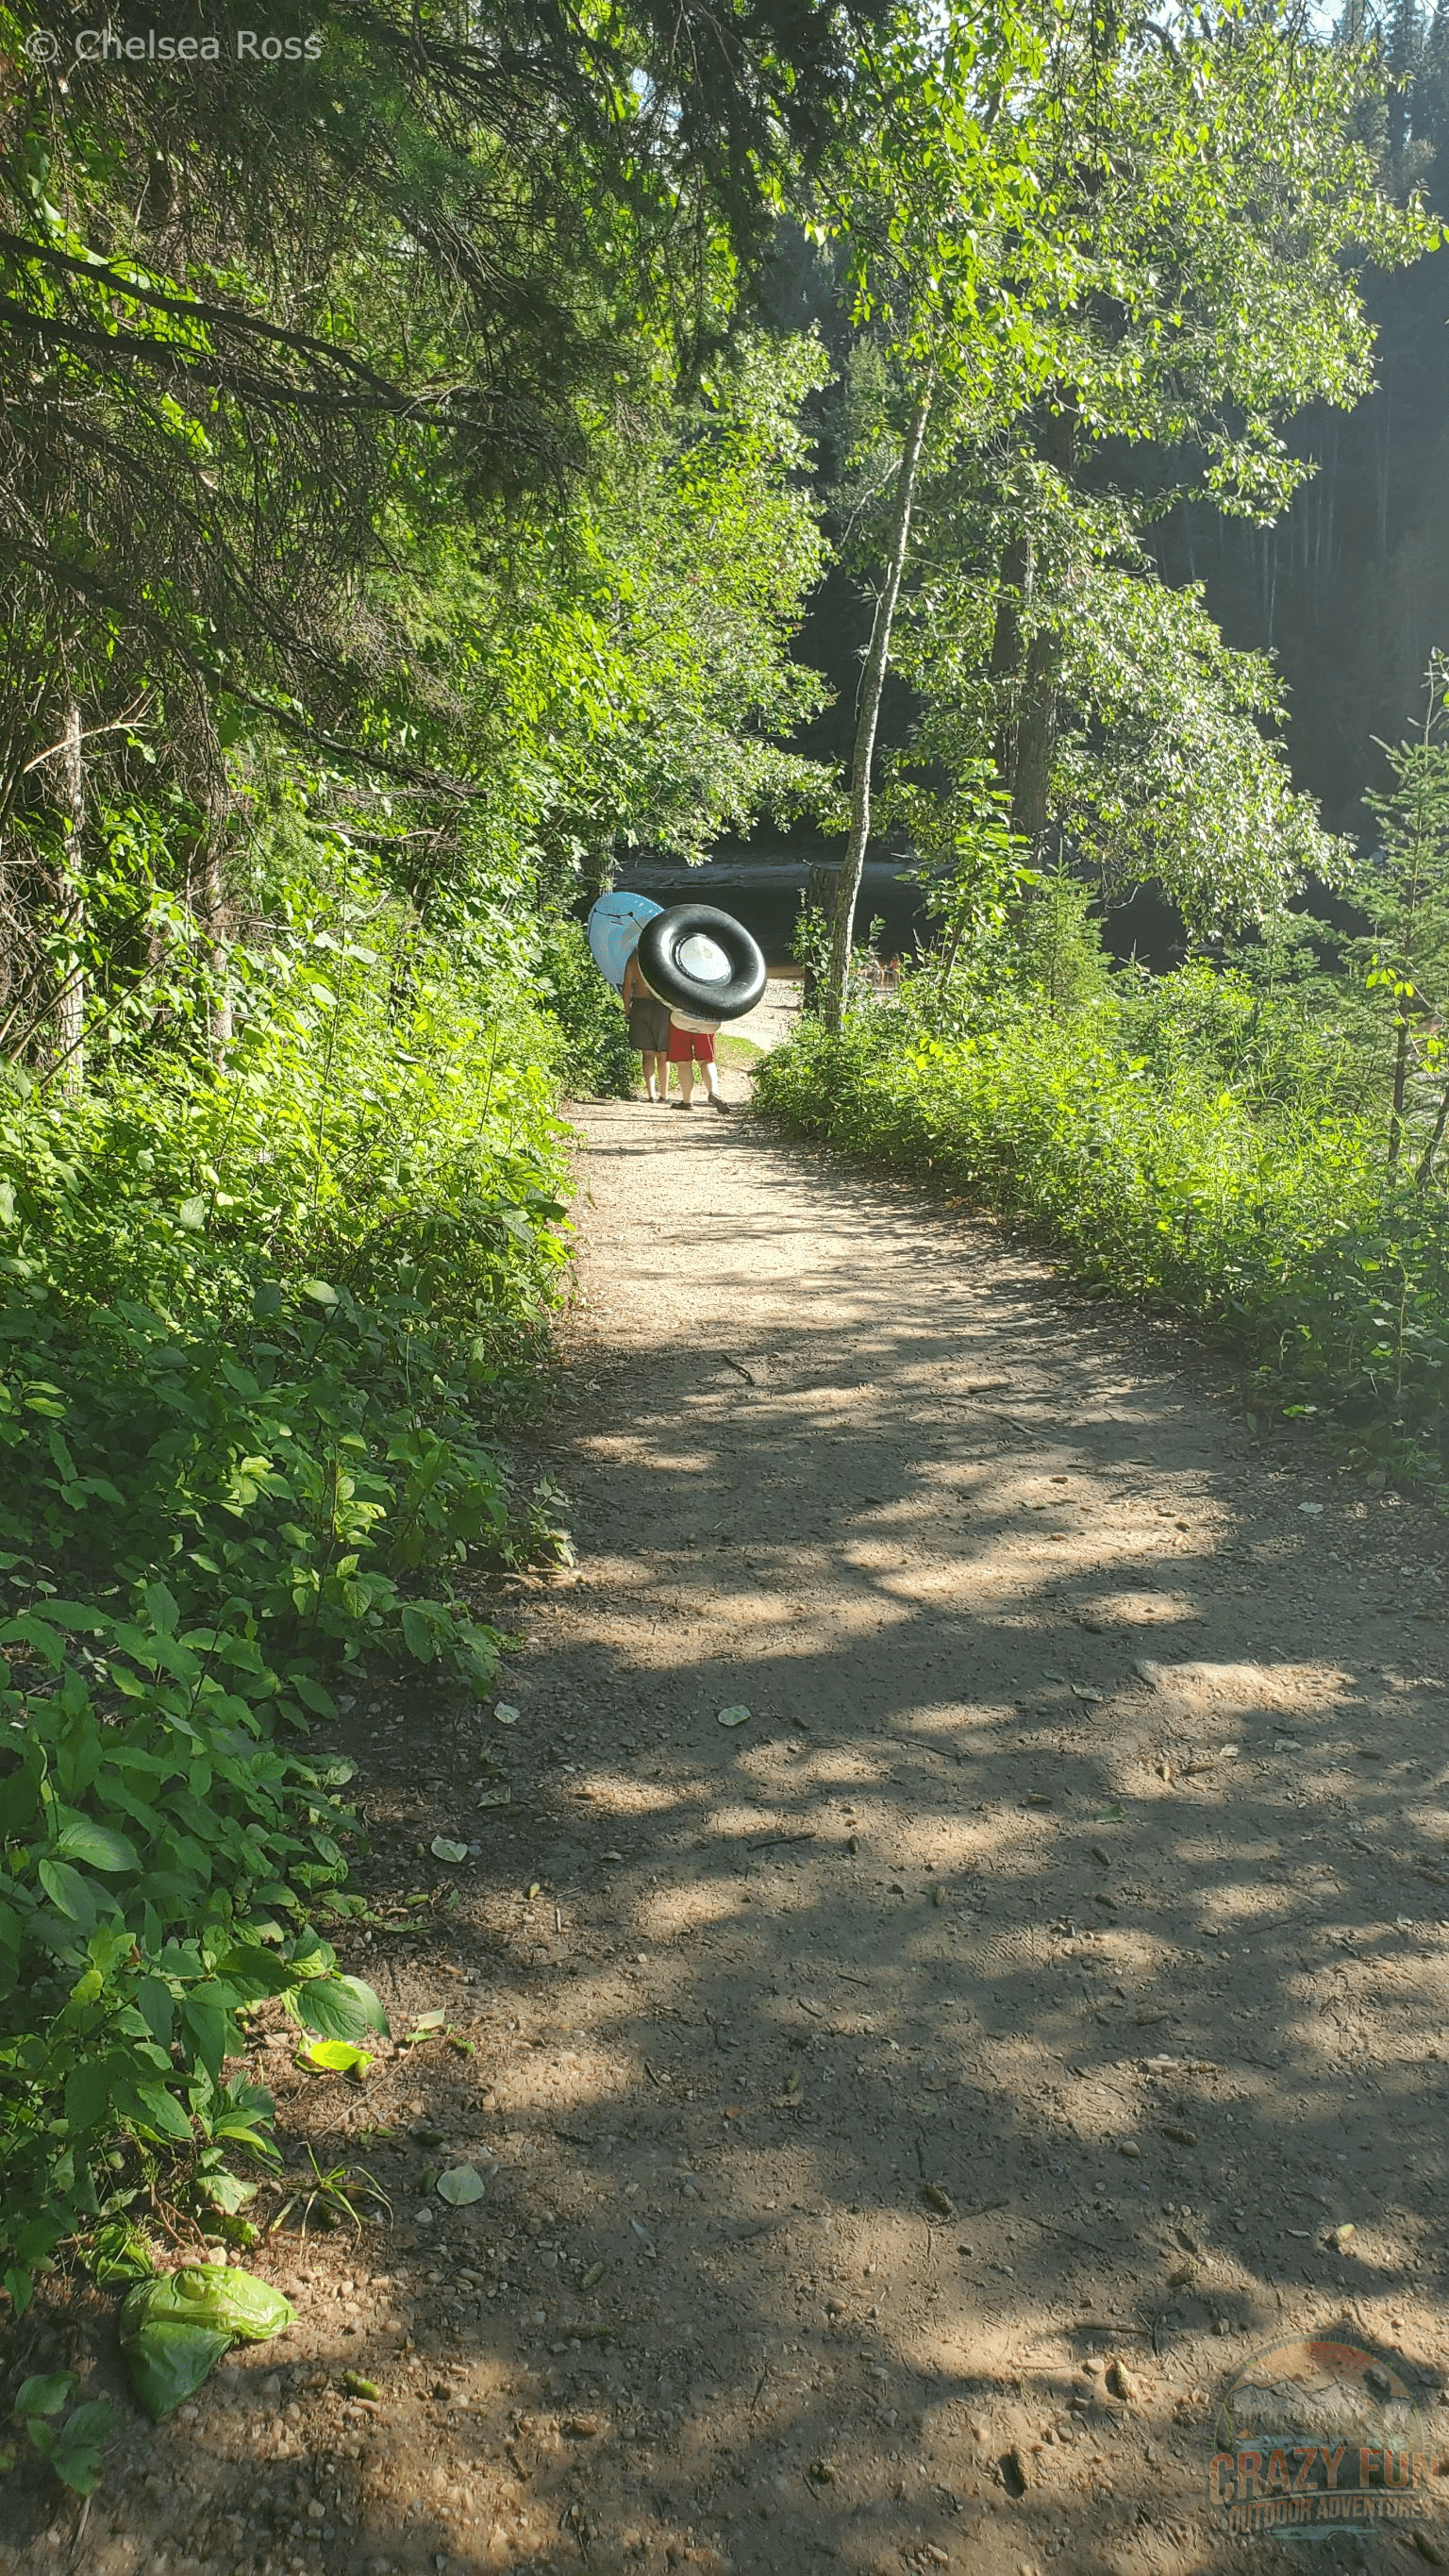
(597, 1061)
(254, 1320)
(1194, 1143)
(1183, 279)
(973, 872)
(1058, 944)
(70, 2442)
(1405, 891)
(1167, 762)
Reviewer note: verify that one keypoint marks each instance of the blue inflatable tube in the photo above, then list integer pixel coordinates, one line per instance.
(613, 928)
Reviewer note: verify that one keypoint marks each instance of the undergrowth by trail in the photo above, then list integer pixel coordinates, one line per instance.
(1182, 1143)
(264, 1326)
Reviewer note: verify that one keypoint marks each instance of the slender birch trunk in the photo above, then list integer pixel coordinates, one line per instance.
(877, 660)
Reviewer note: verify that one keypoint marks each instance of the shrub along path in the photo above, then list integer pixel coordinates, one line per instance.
(900, 2112)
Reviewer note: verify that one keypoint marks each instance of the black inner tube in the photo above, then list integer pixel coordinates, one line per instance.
(703, 997)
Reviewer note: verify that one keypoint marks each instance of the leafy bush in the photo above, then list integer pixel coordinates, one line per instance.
(255, 1324)
(1254, 1203)
(596, 1060)
(158, 1831)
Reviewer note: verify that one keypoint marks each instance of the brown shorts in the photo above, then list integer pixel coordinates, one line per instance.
(649, 1026)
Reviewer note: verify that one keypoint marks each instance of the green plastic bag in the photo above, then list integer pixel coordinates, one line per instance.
(175, 2328)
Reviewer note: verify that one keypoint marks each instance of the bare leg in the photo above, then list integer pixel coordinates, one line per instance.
(653, 1067)
(711, 1084)
(686, 1084)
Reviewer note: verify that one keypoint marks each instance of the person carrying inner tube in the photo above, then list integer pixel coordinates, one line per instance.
(688, 1048)
(650, 1029)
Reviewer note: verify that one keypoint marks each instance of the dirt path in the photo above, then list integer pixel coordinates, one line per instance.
(903, 2111)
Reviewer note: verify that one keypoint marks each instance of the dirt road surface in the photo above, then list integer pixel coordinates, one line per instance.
(901, 2112)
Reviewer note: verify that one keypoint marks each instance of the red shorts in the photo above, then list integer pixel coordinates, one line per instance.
(684, 1043)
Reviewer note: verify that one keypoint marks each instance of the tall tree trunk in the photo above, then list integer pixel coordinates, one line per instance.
(848, 892)
(1036, 736)
(70, 999)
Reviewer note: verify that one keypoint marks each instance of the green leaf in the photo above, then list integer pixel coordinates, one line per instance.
(158, 2008)
(319, 1292)
(101, 1845)
(117, 2251)
(226, 2191)
(337, 2057)
(175, 2328)
(337, 2007)
(66, 1888)
(76, 2455)
(45, 2394)
(420, 1635)
(164, 2113)
(255, 1971)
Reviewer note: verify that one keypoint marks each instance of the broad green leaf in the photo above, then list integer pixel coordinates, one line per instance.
(175, 2328)
(338, 2007)
(164, 2112)
(45, 2394)
(66, 1888)
(76, 2455)
(255, 1971)
(100, 1845)
(226, 2191)
(336, 2057)
(420, 1634)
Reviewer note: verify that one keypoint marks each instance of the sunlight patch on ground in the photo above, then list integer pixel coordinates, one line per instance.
(1129, 1609)
(1188, 1688)
(620, 1794)
(673, 1913)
